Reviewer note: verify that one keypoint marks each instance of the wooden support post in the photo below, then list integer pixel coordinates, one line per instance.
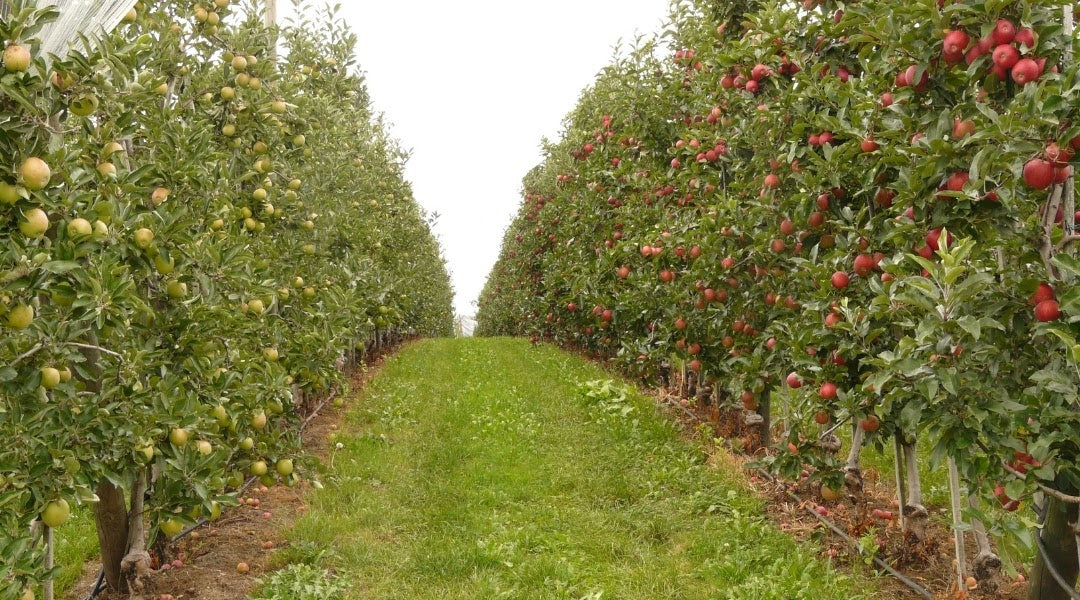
(271, 25)
(898, 474)
(50, 562)
(958, 524)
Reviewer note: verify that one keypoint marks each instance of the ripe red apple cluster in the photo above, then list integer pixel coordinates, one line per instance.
(1005, 44)
(1051, 167)
(1046, 305)
(820, 139)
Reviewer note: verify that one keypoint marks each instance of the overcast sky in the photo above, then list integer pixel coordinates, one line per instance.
(470, 87)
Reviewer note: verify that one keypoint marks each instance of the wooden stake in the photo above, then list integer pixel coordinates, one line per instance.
(50, 562)
(271, 25)
(898, 465)
(958, 523)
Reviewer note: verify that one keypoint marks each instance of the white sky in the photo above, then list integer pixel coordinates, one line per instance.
(471, 86)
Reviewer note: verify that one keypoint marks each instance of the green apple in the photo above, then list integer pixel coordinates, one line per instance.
(56, 513)
(35, 173)
(259, 420)
(220, 414)
(178, 436)
(256, 306)
(143, 238)
(20, 317)
(171, 527)
(50, 377)
(9, 194)
(35, 223)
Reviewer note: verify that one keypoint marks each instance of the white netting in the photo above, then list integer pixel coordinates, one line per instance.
(87, 17)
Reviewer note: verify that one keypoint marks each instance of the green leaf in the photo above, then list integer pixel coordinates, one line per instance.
(59, 267)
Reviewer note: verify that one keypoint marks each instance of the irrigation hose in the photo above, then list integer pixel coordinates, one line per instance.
(1071, 591)
(918, 589)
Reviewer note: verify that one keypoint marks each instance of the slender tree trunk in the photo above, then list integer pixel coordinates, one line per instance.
(987, 562)
(916, 517)
(135, 565)
(853, 470)
(765, 410)
(1060, 541)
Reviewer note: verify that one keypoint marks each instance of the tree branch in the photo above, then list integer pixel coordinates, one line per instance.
(25, 355)
(1045, 488)
(1065, 241)
(98, 348)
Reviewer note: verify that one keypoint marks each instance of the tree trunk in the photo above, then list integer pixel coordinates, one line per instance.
(987, 563)
(764, 409)
(111, 516)
(916, 517)
(135, 565)
(853, 470)
(1060, 542)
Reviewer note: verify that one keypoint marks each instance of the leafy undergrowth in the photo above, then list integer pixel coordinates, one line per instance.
(484, 468)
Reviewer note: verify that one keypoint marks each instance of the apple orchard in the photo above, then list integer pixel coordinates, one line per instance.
(201, 221)
(854, 217)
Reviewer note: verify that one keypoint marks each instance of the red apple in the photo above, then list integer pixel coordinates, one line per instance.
(839, 280)
(1042, 293)
(832, 319)
(933, 239)
(1005, 56)
(956, 42)
(1004, 32)
(1025, 37)
(1025, 71)
(1059, 157)
(793, 380)
(868, 144)
(1038, 173)
(962, 128)
(1047, 310)
(827, 391)
(1006, 502)
(956, 181)
(864, 264)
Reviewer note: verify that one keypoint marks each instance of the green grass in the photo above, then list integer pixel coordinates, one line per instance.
(478, 468)
(76, 542)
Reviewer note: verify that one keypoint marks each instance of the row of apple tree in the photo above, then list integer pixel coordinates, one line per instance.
(837, 214)
(200, 216)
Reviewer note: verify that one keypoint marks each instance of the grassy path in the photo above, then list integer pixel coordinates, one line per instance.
(478, 469)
